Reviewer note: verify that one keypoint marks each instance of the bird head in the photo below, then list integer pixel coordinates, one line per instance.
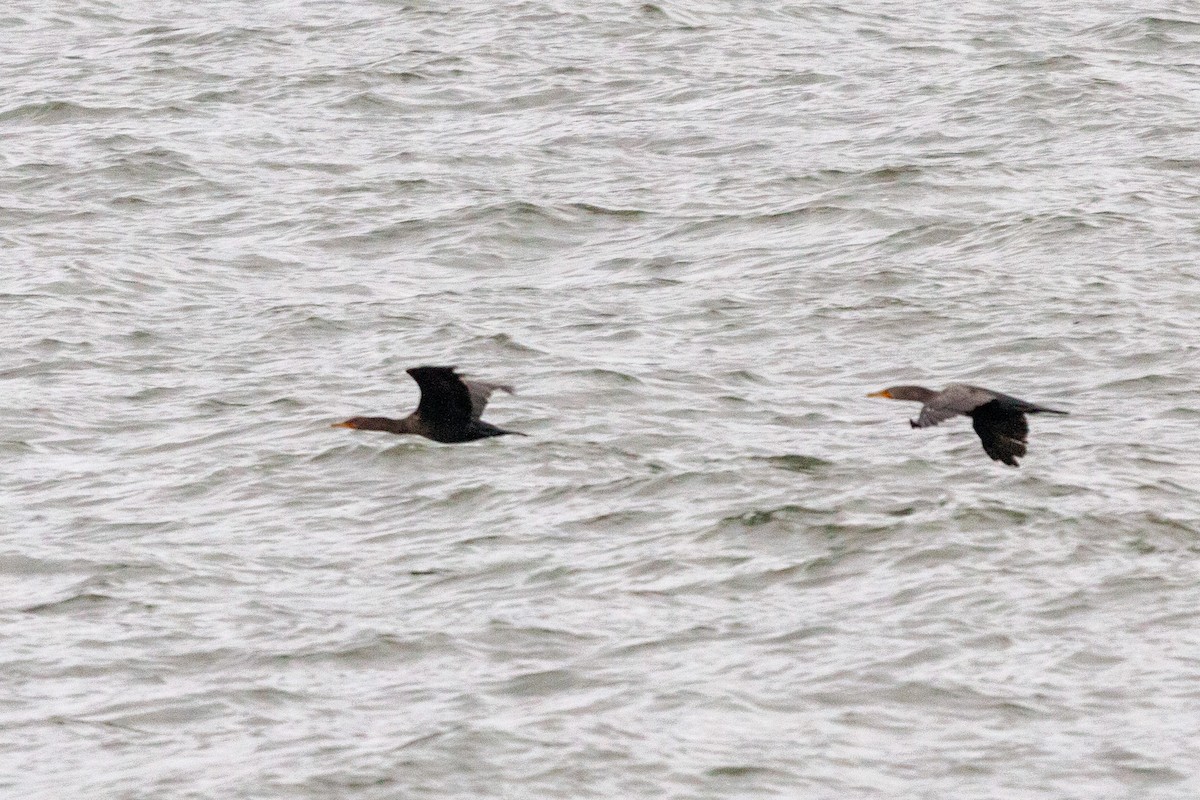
(918, 394)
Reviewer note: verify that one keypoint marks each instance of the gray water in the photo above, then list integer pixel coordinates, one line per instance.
(695, 236)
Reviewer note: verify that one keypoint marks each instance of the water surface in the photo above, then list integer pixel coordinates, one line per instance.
(694, 236)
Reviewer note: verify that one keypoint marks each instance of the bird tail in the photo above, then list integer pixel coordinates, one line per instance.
(488, 429)
(1044, 410)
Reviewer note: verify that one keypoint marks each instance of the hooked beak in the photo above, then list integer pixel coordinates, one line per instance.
(881, 393)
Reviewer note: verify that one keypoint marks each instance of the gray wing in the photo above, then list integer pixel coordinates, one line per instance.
(480, 391)
(932, 415)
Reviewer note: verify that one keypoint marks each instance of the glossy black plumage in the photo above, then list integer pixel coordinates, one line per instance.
(1003, 431)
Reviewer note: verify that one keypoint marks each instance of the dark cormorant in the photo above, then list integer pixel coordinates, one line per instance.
(448, 412)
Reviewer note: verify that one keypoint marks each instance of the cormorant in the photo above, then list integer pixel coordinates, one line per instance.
(448, 412)
(998, 418)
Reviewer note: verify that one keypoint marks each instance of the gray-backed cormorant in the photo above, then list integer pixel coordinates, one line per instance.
(998, 418)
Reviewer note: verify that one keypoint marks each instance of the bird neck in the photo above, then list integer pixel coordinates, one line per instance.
(388, 425)
(918, 393)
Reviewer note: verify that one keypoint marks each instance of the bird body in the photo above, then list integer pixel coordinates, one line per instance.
(998, 419)
(449, 410)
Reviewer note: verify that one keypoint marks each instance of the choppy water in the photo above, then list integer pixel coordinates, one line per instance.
(695, 236)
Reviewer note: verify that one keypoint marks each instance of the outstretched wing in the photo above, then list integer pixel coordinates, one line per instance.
(480, 391)
(1003, 431)
(445, 399)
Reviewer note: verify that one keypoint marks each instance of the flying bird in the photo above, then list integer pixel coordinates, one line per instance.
(999, 419)
(448, 412)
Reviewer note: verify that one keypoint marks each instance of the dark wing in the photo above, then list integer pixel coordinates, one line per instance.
(445, 399)
(480, 392)
(1002, 430)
